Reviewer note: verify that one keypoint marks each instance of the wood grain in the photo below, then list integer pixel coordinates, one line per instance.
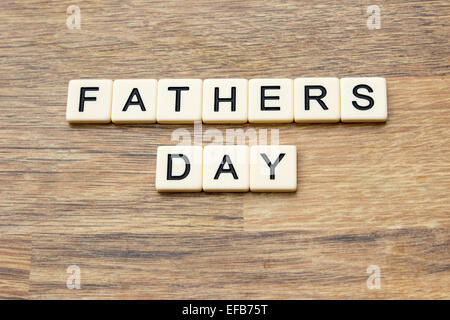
(369, 194)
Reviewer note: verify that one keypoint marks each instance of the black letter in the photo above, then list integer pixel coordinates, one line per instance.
(274, 165)
(177, 96)
(187, 168)
(226, 159)
(83, 98)
(264, 97)
(317, 98)
(139, 101)
(362, 96)
(217, 99)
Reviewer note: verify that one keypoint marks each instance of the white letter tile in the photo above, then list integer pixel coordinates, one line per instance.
(134, 101)
(273, 168)
(179, 169)
(179, 101)
(316, 100)
(226, 168)
(363, 100)
(89, 100)
(270, 101)
(224, 101)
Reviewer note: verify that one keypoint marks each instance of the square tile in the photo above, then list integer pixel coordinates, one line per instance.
(224, 101)
(363, 100)
(179, 169)
(270, 101)
(273, 168)
(89, 100)
(226, 168)
(179, 101)
(317, 100)
(134, 101)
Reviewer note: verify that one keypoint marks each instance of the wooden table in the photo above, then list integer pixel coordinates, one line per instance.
(84, 195)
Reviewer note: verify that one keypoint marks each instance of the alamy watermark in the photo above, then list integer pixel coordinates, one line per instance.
(230, 136)
(374, 280)
(74, 278)
(73, 21)
(374, 19)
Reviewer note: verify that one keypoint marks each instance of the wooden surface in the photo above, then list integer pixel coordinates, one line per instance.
(369, 194)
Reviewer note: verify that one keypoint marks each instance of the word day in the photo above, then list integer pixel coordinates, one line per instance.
(228, 168)
(218, 101)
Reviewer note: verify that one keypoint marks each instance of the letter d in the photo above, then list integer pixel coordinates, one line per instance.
(187, 167)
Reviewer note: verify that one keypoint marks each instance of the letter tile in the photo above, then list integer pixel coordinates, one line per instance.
(273, 168)
(134, 101)
(179, 101)
(270, 101)
(226, 168)
(363, 100)
(89, 100)
(224, 101)
(317, 100)
(179, 169)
